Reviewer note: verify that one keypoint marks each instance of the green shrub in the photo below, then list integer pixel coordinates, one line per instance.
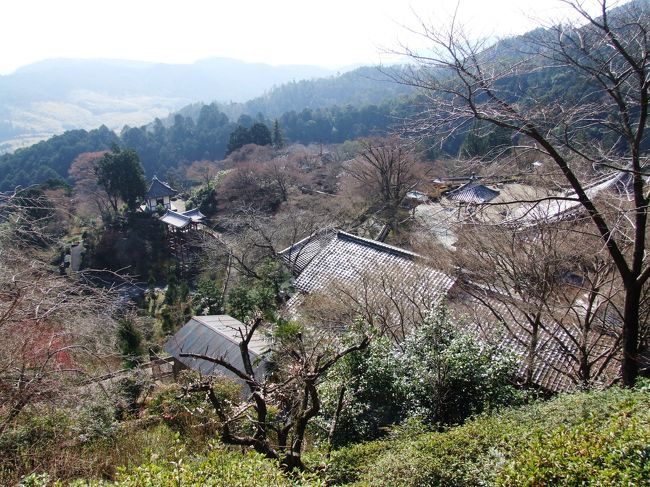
(438, 375)
(596, 438)
(598, 451)
(96, 421)
(191, 414)
(446, 375)
(220, 468)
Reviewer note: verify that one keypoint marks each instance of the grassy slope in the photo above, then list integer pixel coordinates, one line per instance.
(597, 438)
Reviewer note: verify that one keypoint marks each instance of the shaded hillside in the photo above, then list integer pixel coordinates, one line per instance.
(51, 159)
(363, 86)
(163, 147)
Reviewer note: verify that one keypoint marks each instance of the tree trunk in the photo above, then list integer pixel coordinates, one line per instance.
(532, 352)
(630, 364)
(335, 421)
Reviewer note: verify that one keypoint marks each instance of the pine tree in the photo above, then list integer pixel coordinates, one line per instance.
(278, 138)
(130, 341)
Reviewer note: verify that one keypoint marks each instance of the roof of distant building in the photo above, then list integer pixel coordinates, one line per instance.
(216, 336)
(473, 193)
(181, 220)
(418, 196)
(563, 205)
(194, 214)
(340, 257)
(300, 254)
(159, 189)
(174, 219)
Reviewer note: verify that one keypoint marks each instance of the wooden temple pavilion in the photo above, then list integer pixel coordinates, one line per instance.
(159, 193)
(179, 228)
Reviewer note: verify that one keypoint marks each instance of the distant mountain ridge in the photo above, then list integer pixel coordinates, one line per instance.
(365, 85)
(330, 110)
(51, 96)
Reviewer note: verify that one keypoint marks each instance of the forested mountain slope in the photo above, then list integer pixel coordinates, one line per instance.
(364, 102)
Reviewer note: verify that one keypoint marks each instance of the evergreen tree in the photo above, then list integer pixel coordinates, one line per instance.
(238, 139)
(130, 342)
(121, 175)
(260, 134)
(278, 138)
(171, 294)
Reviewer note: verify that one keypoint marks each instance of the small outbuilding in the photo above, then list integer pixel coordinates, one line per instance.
(216, 336)
(182, 221)
(473, 193)
(159, 193)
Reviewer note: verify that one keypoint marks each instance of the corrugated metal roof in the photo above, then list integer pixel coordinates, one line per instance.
(216, 336)
(473, 193)
(159, 189)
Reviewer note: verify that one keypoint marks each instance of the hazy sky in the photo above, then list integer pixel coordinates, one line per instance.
(324, 32)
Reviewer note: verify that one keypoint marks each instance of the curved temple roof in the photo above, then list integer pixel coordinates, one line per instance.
(159, 189)
(473, 193)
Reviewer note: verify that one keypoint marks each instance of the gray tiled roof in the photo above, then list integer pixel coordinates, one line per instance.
(158, 189)
(473, 193)
(300, 254)
(215, 336)
(174, 219)
(361, 265)
(347, 256)
(554, 369)
(194, 214)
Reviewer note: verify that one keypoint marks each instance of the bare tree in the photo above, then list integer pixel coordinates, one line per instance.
(550, 295)
(304, 357)
(201, 171)
(608, 56)
(386, 170)
(253, 237)
(392, 303)
(82, 171)
(53, 329)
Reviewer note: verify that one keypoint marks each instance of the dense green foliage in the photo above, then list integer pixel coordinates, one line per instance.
(438, 376)
(218, 469)
(130, 341)
(138, 245)
(258, 134)
(203, 198)
(208, 299)
(597, 438)
(51, 158)
(121, 175)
